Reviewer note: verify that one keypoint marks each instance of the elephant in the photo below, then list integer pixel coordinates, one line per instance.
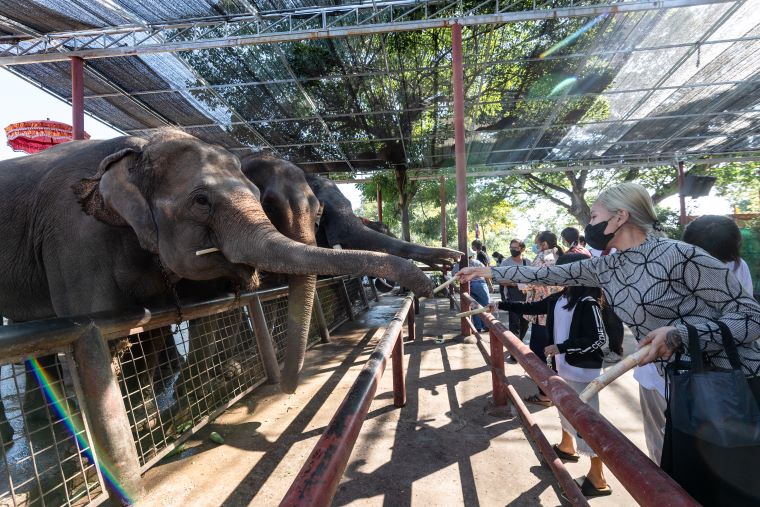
(340, 226)
(111, 225)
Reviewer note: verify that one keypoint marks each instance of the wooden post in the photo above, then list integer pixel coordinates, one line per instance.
(107, 417)
(324, 331)
(399, 383)
(497, 370)
(264, 341)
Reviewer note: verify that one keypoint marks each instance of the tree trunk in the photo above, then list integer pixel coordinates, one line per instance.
(403, 202)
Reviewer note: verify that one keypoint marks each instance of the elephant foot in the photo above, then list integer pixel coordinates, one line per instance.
(232, 369)
(144, 415)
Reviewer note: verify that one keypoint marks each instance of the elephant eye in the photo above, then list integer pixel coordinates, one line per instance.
(201, 199)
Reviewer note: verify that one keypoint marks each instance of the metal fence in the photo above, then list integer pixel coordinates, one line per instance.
(173, 379)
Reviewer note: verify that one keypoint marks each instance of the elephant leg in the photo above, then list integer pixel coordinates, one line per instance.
(137, 366)
(199, 369)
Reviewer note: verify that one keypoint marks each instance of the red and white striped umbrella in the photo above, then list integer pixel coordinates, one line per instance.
(38, 135)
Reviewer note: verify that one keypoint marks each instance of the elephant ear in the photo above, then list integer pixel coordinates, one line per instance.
(112, 197)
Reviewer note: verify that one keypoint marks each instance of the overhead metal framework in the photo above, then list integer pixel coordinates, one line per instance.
(366, 85)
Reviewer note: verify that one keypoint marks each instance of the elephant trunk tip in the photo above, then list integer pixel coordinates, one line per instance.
(288, 385)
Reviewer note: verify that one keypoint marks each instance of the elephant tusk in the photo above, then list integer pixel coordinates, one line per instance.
(337, 247)
(207, 251)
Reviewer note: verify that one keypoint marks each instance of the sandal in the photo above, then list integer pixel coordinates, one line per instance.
(589, 490)
(566, 456)
(533, 398)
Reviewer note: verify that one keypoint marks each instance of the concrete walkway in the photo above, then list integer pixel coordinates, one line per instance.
(445, 447)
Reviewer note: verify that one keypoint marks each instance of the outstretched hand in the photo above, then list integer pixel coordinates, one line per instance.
(467, 274)
(664, 341)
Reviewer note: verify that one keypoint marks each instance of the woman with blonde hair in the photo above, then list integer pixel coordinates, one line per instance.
(660, 288)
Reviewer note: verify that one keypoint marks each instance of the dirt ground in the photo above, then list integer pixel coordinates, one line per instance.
(445, 447)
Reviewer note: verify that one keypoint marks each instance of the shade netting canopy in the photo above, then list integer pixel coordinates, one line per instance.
(364, 86)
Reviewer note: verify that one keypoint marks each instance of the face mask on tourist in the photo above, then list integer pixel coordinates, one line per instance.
(595, 236)
(535, 249)
(514, 253)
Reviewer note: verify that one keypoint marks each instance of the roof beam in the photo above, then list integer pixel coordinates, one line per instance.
(295, 25)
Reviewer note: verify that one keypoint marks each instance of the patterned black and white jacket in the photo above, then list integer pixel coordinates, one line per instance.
(664, 282)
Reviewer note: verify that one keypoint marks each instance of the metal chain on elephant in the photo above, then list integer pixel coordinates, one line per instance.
(173, 289)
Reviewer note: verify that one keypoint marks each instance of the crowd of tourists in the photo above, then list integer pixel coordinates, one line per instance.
(691, 300)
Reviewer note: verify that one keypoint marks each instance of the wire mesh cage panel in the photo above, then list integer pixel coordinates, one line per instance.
(333, 304)
(175, 378)
(47, 459)
(356, 296)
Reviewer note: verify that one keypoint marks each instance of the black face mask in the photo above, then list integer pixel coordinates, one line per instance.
(595, 236)
(514, 253)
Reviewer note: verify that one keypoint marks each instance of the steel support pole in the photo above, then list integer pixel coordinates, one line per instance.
(681, 197)
(347, 300)
(107, 417)
(324, 331)
(264, 342)
(459, 151)
(379, 204)
(77, 97)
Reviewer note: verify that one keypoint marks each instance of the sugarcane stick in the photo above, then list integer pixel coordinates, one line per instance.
(445, 284)
(207, 251)
(476, 311)
(613, 373)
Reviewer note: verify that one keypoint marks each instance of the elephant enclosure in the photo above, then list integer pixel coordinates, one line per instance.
(174, 379)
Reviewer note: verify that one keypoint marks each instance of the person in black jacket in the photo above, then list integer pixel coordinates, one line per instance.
(576, 332)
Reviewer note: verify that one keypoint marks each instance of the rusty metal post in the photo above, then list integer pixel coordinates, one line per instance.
(459, 151)
(77, 97)
(379, 204)
(107, 417)
(681, 197)
(324, 331)
(497, 365)
(264, 341)
(399, 383)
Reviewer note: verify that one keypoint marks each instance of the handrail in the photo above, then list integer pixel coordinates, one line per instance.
(30, 338)
(645, 481)
(320, 476)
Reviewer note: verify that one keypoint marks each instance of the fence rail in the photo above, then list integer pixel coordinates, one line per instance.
(61, 445)
(320, 476)
(647, 483)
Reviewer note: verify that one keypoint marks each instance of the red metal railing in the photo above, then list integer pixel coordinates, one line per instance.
(647, 483)
(319, 477)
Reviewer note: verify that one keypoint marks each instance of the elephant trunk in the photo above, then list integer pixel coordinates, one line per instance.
(300, 303)
(362, 237)
(247, 237)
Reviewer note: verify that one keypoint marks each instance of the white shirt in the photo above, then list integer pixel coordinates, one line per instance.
(562, 320)
(742, 274)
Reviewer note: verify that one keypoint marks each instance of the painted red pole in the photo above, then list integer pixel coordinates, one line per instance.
(681, 197)
(497, 365)
(647, 483)
(457, 72)
(399, 383)
(379, 204)
(77, 97)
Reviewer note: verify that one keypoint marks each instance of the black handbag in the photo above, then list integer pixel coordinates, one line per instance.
(714, 405)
